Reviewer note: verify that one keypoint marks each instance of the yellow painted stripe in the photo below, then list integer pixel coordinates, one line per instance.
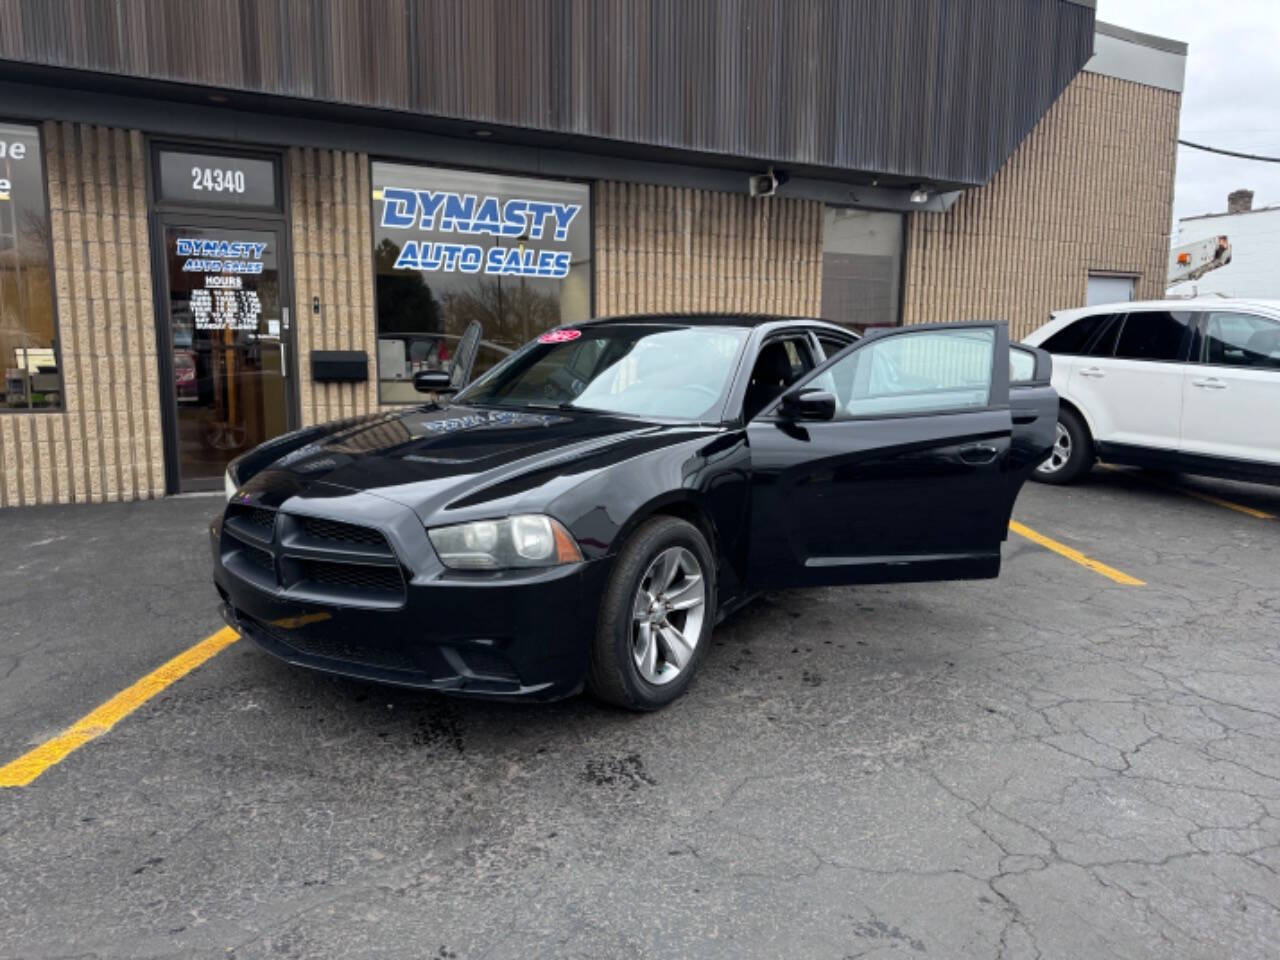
(20, 772)
(1075, 556)
(1199, 495)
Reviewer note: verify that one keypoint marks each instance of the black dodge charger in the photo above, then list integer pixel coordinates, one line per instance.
(585, 512)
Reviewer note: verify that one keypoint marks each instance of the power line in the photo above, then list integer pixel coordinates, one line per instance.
(1229, 153)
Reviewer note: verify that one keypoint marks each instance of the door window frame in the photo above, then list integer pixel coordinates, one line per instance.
(162, 214)
(999, 375)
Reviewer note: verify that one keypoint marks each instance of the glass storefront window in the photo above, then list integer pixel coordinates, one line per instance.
(861, 267)
(452, 247)
(28, 327)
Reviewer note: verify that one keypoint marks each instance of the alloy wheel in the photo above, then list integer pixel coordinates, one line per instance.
(1060, 453)
(667, 615)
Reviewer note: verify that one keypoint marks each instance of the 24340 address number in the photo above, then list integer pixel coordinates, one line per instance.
(217, 180)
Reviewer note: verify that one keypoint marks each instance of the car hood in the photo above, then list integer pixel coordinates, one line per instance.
(431, 457)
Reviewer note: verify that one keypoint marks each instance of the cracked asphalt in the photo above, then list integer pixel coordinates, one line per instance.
(1047, 765)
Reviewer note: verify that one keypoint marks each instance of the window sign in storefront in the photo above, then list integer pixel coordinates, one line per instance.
(452, 247)
(213, 179)
(28, 326)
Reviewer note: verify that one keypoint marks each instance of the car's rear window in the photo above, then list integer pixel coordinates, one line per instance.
(1074, 338)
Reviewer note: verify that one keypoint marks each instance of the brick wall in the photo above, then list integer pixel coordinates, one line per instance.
(332, 261)
(665, 248)
(106, 443)
(1090, 189)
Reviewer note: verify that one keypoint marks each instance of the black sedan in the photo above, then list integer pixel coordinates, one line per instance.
(584, 513)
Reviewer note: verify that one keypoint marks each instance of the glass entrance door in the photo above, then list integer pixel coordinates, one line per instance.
(229, 335)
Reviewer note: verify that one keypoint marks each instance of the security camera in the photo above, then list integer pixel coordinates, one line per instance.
(767, 184)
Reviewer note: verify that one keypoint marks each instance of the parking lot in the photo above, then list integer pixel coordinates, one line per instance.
(1059, 763)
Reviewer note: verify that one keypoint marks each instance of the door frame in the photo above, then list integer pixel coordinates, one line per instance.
(162, 214)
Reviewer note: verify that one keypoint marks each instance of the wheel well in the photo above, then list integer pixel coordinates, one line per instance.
(1067, 404)
(688, 512)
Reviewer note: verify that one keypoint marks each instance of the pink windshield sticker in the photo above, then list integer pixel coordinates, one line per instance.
(559, 336)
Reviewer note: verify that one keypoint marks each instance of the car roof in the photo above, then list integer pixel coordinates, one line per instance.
(1061, 318)
(718, 319)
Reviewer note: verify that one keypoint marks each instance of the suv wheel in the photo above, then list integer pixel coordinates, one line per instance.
(1072, 452)
(656, 617)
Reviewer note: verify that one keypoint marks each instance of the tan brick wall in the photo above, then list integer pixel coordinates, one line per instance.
(1090, 189)
(666, 248)
(106, 443)
(333, 261)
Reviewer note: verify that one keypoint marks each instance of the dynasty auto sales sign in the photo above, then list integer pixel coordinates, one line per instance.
(517, 232)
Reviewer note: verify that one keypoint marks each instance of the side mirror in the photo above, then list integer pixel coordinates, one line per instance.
(433, 381)
(809, 404)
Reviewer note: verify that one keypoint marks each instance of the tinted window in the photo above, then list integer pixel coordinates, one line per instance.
(913, 372)
(642, 370)
(1153, 335)
(1074, 337)
(1241, 340)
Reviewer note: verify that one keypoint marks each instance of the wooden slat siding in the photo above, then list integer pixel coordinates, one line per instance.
(1091, 189)
(664, 248)
(939, 90)
(105, 442)
(332, 235)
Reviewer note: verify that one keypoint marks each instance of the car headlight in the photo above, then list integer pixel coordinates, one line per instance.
(528, 540)
(229, 486)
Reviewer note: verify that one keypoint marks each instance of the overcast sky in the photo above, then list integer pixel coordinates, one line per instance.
(1232, 96)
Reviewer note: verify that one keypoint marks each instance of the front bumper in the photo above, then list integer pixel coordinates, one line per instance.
(509, 634)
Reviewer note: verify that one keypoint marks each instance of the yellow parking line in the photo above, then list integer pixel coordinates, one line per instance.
(1075, 556)
(1201, 495)
(20, 772)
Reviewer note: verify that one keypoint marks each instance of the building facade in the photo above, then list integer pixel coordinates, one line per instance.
(214, 231)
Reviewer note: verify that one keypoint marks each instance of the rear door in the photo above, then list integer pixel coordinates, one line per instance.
(910, 478)
(1034, 404)
(1131, 387)
(1231, 394)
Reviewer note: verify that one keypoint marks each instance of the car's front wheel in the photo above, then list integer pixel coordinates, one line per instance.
(1072, 452)
(656, 616)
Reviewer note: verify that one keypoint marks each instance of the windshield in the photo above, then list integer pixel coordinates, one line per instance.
(639, 370)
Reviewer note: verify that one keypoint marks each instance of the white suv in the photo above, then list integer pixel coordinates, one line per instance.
(1184, 385)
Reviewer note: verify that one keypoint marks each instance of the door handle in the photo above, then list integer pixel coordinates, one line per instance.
(1096, 372)
(1209, 383)
(979, 453)
(284, 360)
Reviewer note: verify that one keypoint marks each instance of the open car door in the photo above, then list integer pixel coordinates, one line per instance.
(889, 462)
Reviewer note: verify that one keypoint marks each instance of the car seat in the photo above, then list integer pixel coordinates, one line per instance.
(769, 377)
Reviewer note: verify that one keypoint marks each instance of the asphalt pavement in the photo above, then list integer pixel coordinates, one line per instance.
(1052, 764)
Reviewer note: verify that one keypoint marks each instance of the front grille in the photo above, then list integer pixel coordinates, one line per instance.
(260, 559)
(315, 559)
(336, 531)
(349, 652)
(362, 578)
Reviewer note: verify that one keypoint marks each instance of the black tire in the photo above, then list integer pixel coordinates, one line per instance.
(1080, 458)
(612, 674)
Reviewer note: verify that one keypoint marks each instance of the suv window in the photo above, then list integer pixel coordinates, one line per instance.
(1241, 340)
(1074, 338)
(1157, 335)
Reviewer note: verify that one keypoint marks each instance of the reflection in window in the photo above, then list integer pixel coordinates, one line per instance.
(452, 247)
(28, 329)
(861, 266)
(1242, 340)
